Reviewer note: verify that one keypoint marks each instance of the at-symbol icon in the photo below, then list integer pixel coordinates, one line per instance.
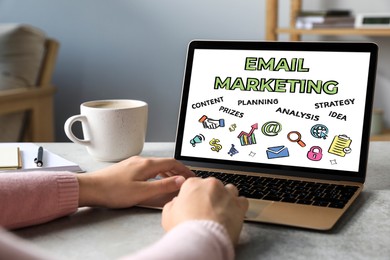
(271, 128)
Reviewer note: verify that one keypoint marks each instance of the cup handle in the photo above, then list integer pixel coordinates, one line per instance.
(68, 129)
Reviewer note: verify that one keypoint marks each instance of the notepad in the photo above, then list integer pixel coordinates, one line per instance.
(51, 161)
(10, 158)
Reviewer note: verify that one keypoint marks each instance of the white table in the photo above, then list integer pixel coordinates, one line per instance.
(363, 233)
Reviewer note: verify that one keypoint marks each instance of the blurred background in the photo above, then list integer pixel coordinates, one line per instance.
(135, 49)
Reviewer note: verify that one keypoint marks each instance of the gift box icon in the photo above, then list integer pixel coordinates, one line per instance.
(277, 152)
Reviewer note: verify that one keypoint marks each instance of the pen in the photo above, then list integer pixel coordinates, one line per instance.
(39, 159)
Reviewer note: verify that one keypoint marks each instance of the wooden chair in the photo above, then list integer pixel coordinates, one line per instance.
(37, 101)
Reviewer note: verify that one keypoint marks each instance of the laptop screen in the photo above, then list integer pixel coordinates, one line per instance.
(295, 106)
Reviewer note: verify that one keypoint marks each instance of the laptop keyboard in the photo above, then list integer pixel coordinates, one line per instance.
(284, 190)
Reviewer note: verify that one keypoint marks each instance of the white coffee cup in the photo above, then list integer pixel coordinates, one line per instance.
(113, 129)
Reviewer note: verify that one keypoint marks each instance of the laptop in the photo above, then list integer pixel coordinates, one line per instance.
(287, 122)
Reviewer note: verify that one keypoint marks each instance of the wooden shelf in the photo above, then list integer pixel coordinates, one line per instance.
(335, 31)
(273, 30)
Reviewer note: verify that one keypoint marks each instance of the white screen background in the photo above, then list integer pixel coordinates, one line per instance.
(350, 70)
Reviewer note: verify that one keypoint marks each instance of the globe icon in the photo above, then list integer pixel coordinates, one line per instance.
(319, 131)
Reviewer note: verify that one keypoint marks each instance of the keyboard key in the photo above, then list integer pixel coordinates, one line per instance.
(269, 197)
(336, 205)
(290, 200)
(321, 203)
(306, 202)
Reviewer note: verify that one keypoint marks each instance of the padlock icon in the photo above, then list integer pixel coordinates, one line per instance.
(315, 153)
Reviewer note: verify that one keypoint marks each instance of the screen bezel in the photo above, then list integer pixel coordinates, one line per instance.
(306, 172)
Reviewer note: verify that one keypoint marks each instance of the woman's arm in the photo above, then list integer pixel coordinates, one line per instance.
(190, 240)
(203, 222)
(29, 198)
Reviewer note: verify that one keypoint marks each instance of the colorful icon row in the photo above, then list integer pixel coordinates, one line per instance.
(340, 146)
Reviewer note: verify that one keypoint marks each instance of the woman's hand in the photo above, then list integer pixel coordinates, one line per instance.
(125, 184)
(207, 199)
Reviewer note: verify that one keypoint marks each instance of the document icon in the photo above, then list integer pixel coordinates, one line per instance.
(277, 152)
(340, 145)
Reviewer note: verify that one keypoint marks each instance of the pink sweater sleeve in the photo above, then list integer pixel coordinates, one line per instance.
(196, 239)
(29, 198)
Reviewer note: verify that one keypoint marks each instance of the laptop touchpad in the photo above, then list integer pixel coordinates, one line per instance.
(256, 207)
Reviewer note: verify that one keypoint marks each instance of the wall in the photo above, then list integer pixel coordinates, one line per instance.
(136, 48)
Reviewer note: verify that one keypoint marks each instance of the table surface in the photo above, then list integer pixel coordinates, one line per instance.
(95, 233)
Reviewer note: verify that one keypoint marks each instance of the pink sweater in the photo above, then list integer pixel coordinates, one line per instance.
(28, 198)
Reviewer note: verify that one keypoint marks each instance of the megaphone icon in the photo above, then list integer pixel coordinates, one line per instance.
(197, 139)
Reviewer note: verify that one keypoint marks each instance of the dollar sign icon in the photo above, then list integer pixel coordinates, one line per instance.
(232, 127)
(216, 147)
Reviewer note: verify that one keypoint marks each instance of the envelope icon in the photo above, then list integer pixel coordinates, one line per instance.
(277, 152)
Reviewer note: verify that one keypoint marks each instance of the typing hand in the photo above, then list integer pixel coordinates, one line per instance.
(125, 184)
(207, 199)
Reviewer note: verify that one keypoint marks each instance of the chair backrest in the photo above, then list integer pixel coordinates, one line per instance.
(48, 63)
(36, 101)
